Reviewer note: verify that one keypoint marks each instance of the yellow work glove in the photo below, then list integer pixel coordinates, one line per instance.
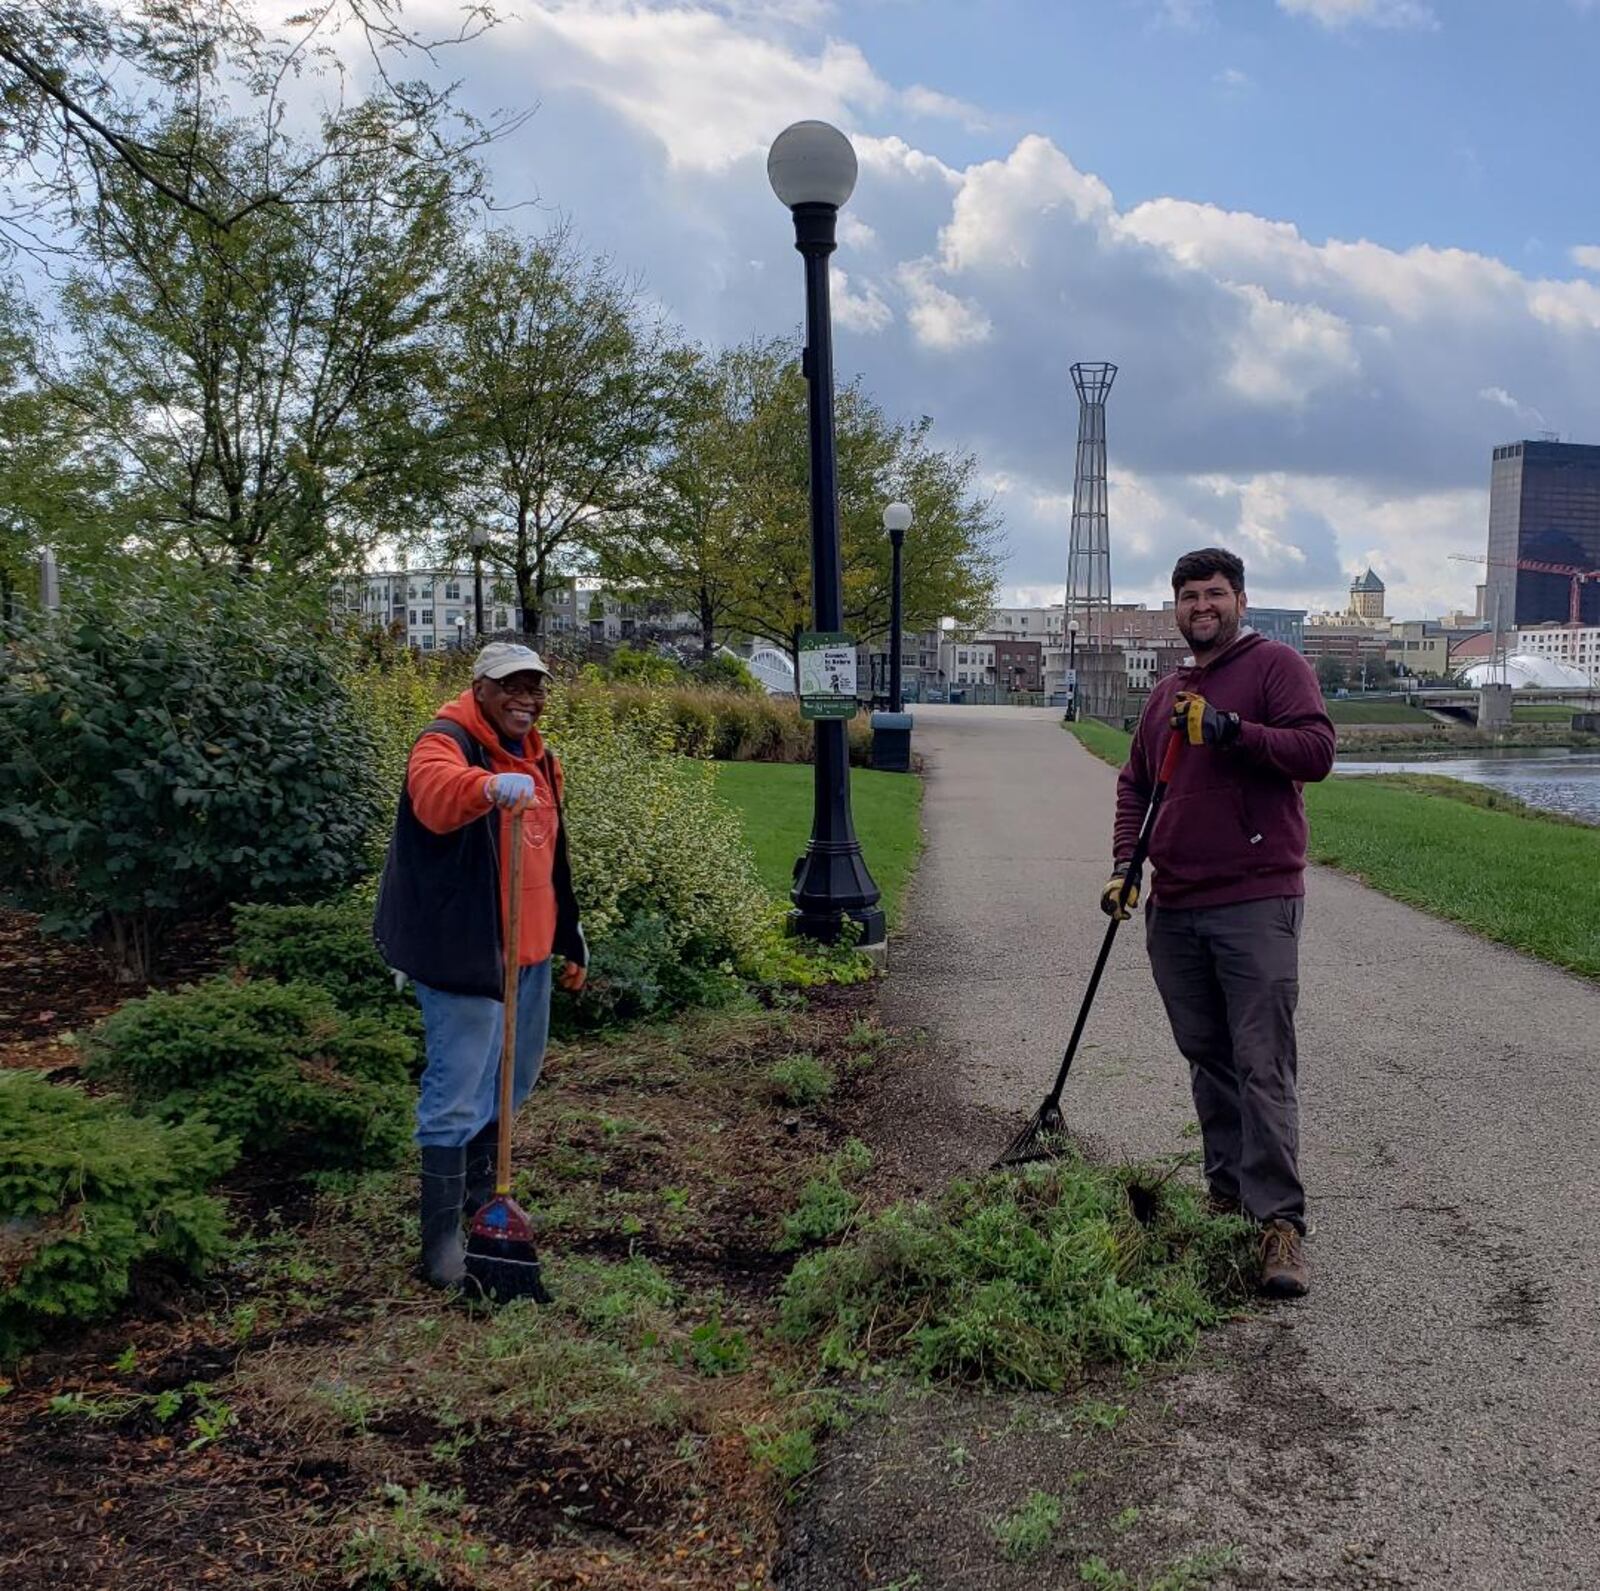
(1200, 723)
(1111, 902)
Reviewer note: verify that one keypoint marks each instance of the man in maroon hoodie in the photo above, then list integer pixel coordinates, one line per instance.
(1223, 924)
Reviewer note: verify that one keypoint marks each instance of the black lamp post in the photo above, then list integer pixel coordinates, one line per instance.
(897, 521)
(480, 539)
(812, 169)
(1072, 668)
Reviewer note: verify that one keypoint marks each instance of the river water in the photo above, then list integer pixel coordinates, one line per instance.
(1555, 778)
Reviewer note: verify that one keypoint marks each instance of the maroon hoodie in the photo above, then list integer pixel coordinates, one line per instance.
(1232, 826)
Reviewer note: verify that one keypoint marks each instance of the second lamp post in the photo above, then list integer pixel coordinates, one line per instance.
(812, 169)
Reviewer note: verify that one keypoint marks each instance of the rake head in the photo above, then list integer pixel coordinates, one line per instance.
(1044, 1138)
(501, 1258)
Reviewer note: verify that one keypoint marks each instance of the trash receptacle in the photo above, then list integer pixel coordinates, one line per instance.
(891, 742)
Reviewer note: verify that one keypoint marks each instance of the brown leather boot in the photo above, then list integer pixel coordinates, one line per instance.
(1284, 1272)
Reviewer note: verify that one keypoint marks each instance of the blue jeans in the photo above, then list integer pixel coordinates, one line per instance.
(464, 1032)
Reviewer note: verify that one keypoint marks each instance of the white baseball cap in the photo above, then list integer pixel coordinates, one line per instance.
(502, 658)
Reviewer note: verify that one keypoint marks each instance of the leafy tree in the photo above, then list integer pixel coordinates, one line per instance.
(951, 559)
(58, 484)
(170, 743)
(1331, 673)
(687, 543)
(557, 393)
(261, 380)
(95, 93)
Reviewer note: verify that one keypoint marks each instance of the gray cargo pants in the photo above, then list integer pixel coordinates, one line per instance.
(1230, 978)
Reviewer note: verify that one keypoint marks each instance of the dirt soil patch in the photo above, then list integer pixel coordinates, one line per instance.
(313, 1417)
(49, 987)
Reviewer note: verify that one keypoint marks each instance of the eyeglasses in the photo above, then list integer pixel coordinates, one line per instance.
(524, 693)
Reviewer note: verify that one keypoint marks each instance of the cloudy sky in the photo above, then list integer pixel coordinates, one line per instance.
(1339, 249)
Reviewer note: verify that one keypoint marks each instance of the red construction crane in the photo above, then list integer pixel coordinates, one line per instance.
(1577, 576)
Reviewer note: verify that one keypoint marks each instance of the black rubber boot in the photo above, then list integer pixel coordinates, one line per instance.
(480, 1169)
(444, 1254)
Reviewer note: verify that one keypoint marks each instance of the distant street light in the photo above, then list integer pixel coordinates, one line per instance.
(461, 633)
(812, 169)
(897, 521)
(480, 540)
(1072, 668)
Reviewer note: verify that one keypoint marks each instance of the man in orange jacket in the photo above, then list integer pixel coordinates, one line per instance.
(441, 920)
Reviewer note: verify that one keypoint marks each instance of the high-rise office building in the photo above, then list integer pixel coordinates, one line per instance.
(1544, 505)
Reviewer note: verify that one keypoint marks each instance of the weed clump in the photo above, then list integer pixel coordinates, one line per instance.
(829, 1201)
(1020, 1280)
(1028, 1531)
(799, 1080)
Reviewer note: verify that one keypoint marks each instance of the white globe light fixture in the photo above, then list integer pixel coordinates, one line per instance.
(897, 516)
(812, 163)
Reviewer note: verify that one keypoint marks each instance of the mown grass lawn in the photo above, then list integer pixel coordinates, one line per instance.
(774, 800)
(1541, 713)
(1350, 712)
(1517, 877)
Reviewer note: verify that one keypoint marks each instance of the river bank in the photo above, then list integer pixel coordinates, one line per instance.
(1444, 740)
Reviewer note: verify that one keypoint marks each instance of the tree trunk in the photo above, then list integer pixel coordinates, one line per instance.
(128, 941)
(708, 639)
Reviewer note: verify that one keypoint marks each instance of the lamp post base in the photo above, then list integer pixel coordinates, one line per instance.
(831, 887)
(827, 927)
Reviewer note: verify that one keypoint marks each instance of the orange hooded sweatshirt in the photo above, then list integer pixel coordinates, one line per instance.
(447, 792)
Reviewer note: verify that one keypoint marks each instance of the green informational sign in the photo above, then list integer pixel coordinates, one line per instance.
(827, 674)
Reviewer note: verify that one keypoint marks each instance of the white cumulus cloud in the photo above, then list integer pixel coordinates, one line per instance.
(1372, 13)
(1317, 403)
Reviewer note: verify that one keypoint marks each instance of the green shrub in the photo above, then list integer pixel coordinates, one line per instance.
(722, 724)
(659, 861)
(641, 967)
(169, 742)
(723, 672)
(86, 1192)
(1020, 1280)
(277, 1066)
(627, 664)
(395, 693)
(799, 1080)
(330, 946)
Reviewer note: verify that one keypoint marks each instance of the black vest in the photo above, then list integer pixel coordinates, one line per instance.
(438, 915)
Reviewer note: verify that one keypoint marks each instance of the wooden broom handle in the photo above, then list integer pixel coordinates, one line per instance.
(508, 1044)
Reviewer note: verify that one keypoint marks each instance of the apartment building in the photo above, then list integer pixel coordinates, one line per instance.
(1578, 647)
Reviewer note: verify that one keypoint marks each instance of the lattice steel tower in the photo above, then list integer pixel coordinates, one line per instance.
(1089, 557)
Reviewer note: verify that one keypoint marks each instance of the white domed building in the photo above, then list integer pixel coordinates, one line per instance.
(1526, 671)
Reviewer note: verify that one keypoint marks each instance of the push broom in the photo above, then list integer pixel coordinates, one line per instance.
(501, 1258)
(1043, 1137)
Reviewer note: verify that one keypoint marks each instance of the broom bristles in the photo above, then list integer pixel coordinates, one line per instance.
(501, 1257)
(512, 1273)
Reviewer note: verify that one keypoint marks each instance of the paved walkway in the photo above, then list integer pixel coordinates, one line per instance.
(1430, 1416)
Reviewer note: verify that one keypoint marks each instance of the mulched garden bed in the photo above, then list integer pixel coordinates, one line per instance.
(312, 1417)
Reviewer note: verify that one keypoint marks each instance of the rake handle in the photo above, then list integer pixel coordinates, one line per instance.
(508, 1040)
(1141, 850)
